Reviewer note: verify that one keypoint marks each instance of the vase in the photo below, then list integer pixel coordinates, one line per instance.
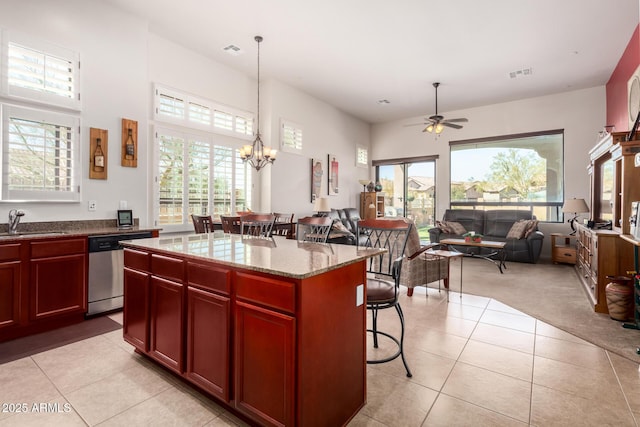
(619, 292)
(378, 186)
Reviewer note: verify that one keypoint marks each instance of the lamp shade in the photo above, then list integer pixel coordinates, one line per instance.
(575, 206)
(321, 205)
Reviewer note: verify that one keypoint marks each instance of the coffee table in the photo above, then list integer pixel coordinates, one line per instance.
(498, 249)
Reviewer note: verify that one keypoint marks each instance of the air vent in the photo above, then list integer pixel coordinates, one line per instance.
(521, 73)
(232, 50)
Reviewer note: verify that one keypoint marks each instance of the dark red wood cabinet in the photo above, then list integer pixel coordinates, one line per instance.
(58, 278)
(43, 285)
(136, 308)
(10, 281)
(280, 351)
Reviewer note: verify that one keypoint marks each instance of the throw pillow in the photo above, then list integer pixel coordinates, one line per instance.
(518, 229)
(531, 227)
(456, 227)
(339, 226)
(442, 225)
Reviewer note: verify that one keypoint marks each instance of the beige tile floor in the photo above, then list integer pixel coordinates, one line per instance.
(475, 362)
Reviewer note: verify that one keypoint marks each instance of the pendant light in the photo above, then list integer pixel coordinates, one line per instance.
(257, 155)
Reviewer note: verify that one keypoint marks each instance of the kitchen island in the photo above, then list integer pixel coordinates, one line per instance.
(273, 329)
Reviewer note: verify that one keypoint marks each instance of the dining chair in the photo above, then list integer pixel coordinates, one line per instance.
(202, 223)
(313, 229)
(383, 276)
(257, 224)
(230, 224)
(283, 230)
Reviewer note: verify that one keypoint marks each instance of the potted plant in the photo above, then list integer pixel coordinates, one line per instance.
(472, 236)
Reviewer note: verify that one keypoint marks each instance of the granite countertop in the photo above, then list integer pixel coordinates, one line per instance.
(38, 230)
(277, 255)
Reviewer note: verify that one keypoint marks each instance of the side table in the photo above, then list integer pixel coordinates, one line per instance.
(563, 248)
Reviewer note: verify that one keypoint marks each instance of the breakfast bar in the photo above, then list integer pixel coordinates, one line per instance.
(272, 328)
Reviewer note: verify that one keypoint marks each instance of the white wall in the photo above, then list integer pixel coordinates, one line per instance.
(580, 113)
(326, 130)
(121, 60)
(113, 56)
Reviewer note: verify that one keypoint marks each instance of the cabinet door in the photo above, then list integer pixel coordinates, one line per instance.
(58, 286)
(136, 309)
(166, 322)
(208, 338)
(9, 293)
(264, 364)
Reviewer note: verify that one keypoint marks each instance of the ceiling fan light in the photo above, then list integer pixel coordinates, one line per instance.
(430, 128)
(439, 128)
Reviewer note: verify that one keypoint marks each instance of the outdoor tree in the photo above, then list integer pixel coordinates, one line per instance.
(522, 170)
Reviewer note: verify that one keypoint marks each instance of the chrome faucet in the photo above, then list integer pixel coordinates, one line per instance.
(14, 220)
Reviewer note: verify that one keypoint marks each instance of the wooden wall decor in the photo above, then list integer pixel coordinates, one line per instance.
(129, 143)
(98, 153)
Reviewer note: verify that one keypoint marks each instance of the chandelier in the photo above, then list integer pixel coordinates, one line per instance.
(257, 155)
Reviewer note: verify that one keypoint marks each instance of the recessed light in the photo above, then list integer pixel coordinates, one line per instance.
(232, 50)
(384, 101)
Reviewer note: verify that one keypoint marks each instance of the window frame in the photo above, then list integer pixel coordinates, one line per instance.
(50, 117)
(553, 212)
(360, 148)
(49, 50)
(240, 119)
(187, 136)
(296, 129)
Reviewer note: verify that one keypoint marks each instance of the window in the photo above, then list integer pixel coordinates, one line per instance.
(290, 137)
(522, 171)
(196, 176)
(40, 153)
(40, 72)
(409, 186)
(362, 156)
(172, 106)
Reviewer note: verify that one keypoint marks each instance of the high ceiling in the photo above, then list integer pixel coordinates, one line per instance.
(353, 53)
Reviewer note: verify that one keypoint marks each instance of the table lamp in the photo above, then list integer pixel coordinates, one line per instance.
(321, 206)
(577, 206)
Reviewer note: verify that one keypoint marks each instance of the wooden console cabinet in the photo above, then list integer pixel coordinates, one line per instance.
(279, 349)
(371, 205)
(600, 253)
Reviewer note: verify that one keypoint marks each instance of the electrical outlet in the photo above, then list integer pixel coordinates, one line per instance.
(92, 205)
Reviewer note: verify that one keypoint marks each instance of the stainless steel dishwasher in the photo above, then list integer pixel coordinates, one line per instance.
(106, 265)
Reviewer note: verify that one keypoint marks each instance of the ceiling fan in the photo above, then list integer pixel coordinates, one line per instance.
(437, 123)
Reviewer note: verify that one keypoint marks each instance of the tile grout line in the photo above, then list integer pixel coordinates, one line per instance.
(626, 400)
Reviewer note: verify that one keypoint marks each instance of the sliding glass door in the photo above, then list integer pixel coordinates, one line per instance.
(409, 189)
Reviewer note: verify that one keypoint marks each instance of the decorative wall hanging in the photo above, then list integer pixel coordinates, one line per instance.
(316, 178)
(98, 153)
(129, 143)
(333, 175)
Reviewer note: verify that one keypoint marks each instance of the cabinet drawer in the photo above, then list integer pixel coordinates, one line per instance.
(167, 267)
(58, 247)
(209, 277)
(10, 252)
(270, 292)
(567, 255)
(137, 260)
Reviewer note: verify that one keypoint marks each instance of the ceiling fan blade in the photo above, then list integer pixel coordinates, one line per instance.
(415, 124)
(451, 125)
(460, 120)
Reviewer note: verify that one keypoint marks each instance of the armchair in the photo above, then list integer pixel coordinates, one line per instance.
(420, 268)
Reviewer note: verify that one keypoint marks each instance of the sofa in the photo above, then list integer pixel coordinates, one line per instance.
(345, 226)
(495, 225)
